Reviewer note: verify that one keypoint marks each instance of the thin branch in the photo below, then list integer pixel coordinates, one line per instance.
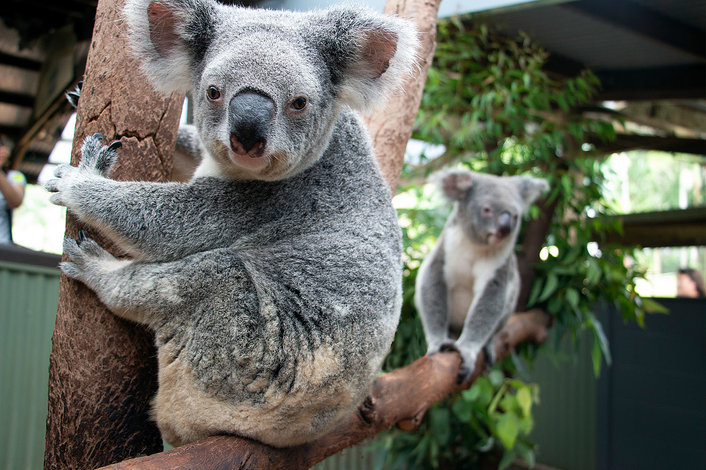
(398, 398)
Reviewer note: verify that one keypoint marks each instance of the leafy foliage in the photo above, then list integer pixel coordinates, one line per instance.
(494, 108)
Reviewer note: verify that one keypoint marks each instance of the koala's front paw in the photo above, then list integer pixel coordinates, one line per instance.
(96, 160)
(468, 366)
(467, 355)
(73, 95)
(88, 259)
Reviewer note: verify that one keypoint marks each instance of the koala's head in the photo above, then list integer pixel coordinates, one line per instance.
(267, 86)
(489, 208)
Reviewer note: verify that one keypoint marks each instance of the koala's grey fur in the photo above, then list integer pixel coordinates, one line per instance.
(469, 283)
(273, 285)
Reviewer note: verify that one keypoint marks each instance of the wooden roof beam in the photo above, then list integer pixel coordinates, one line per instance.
(25, 63)
(627, 142)
(685, 227)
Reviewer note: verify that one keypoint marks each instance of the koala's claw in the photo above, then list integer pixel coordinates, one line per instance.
(74, 95)
(98, 157)
(85, 255)
(449, 346)
(464, 373)
(489, 354)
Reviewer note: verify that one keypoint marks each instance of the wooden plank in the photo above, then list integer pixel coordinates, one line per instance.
(659, 229)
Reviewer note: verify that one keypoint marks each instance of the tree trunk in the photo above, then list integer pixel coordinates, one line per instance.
(103, 370)
(391, 125)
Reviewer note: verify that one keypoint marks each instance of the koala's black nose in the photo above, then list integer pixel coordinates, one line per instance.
(505, 224)
(249, 117)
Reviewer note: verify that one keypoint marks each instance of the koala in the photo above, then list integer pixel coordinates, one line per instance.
(469, 283)
(272, 278)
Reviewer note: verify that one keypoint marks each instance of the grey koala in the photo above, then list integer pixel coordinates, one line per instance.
(272, 279)
(468, 285)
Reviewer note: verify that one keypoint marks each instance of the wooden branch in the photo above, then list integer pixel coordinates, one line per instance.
(535, 233)
(400, 398)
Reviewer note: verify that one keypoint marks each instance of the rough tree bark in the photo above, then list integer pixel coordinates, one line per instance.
(391, 126)
(103, 369)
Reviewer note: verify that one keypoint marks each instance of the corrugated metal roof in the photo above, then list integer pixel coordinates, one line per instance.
(591, 41)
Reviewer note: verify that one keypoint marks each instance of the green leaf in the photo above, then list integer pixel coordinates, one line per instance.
(508, 457)
(509, 403)
(572, 297)
(462, 409)
(601, 338)
(652, 306)
(480, 393)
(496, 377)
(534, 294)
(549, 288)
(485, 444)
(596, 358)
(526, 453)
(507, 430)
(593, 272)
(440, 425)
(524, 399)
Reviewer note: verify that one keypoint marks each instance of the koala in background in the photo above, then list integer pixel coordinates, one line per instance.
(272, 279)
(468, 285)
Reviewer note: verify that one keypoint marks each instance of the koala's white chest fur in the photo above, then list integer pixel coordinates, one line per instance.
(467, 269)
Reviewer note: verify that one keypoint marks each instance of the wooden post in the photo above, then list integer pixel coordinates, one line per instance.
(103, 370)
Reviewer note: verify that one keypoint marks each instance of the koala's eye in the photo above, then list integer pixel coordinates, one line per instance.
(299, 103)
(213, 93)
(487, 211)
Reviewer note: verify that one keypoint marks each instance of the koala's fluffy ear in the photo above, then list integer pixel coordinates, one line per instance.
(455, 184)
(171, 37)
(530, 188)
(368, 54)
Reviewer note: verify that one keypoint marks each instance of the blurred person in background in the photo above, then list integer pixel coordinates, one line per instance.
(12, 191)
(690, 283)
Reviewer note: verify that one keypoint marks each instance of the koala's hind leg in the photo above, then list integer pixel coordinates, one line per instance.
(135, 291)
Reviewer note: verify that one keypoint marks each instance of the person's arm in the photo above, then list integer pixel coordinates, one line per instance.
(13, 193)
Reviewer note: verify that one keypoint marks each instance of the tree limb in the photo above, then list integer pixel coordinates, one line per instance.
(400, 397)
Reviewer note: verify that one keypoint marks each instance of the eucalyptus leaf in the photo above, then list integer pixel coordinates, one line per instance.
(551, 285)
(507, 430)
(524, 399)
